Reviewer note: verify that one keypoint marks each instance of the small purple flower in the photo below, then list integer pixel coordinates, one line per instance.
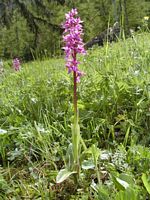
(16, 64)
(73, 42)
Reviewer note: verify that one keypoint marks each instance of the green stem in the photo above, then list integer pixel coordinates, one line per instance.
(98, 175)
(76, 129)
(75, 94)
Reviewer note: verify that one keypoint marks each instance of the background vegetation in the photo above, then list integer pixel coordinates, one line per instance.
(36, 116)
(32, 28)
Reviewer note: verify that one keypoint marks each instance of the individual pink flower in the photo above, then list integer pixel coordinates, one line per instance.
(16, 64)
(73, 42)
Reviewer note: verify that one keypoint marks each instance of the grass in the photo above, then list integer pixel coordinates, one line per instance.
(36, 115)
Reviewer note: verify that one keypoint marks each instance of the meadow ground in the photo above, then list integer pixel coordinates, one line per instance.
(36, 110)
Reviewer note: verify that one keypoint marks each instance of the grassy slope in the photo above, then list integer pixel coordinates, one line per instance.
(36, 110)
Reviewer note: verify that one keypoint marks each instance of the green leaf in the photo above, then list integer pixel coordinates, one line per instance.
(124, 184)
(126, 136)
(127, 195)
(88, 164)
(103, 194)
(63, 175)
(69, 159)
(127, 178)
(120, 184)
(145, 182)
(95, 151)
(76, 140)
(3, 184)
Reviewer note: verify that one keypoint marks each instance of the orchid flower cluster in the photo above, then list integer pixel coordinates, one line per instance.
(73, 42)
(16, 64)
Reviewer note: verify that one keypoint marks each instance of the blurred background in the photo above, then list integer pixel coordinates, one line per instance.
(32, 28)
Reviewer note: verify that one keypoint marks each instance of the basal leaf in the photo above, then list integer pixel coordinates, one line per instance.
(63, 175)
(88, 164)
(146, 183)
(120, 184)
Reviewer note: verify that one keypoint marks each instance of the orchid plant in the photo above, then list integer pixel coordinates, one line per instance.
(73, 46)
(16, 64)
